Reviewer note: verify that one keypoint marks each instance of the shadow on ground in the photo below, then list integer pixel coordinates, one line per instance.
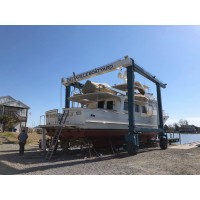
(34, 160)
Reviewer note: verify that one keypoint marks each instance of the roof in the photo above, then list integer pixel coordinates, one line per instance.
(92, 97)
(10, 101)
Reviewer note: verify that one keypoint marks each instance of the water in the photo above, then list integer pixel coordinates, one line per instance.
(186, 137)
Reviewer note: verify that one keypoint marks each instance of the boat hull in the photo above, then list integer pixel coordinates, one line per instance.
(100, 126)
(100, 137)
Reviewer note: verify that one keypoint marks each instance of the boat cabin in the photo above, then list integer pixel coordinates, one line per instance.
(111, 102)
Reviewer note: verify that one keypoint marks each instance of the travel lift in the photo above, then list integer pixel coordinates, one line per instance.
(131, 139)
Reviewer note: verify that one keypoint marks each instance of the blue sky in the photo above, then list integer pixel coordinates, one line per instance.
(33, 59)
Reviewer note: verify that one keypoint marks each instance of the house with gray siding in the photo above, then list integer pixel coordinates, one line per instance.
(12, 107)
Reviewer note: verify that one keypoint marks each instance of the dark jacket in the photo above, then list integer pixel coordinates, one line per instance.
(22, 137)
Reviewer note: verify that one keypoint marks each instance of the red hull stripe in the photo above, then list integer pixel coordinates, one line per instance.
(95, 133)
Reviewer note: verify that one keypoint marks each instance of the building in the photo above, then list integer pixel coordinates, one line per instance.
(12, 107)
(188, 129)
(197, 129)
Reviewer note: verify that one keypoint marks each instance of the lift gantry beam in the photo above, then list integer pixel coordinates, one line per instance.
(125, 62)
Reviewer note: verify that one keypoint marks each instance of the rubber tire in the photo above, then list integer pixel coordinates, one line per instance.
(163, 143)
(132, 149)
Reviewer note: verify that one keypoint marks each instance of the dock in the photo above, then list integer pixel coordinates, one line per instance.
(173, 140)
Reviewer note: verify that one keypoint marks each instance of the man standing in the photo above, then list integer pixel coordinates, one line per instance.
(22, 137)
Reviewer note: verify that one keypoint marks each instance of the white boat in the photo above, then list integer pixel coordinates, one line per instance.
(100, 114)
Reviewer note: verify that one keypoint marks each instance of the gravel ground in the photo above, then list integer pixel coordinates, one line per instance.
(151, 161)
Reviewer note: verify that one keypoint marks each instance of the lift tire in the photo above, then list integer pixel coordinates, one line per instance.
(132, 149)
(163, 143)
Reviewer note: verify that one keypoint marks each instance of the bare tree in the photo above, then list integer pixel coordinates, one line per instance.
(166, 128)
(170, 128)
(183, 122)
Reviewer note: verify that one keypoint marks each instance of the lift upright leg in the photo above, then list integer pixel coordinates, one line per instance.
(132, 137)
(162, 136)
(67, 95)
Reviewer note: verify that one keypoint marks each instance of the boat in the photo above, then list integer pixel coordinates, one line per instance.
(99, 114)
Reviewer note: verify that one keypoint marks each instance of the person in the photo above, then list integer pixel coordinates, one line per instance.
(22, 137)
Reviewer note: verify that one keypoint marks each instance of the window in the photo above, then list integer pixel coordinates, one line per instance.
(144, 109)
(101, 104)
(109, 105)
(137, 108)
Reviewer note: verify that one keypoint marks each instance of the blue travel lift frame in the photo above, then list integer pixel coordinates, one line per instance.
(132, 138)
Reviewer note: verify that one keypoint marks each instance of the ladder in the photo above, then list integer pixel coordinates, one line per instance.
(54, 142)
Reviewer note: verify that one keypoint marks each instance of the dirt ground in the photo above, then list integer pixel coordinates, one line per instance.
(151, 161)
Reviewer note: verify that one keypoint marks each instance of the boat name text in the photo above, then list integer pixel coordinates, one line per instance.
(89, 74)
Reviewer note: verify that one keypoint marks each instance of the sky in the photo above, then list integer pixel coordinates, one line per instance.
(33, 59)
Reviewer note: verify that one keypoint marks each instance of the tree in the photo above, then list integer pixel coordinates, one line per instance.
(166, 128)
(183, 122)
(170, 128)
(176, 127)
(7, 122)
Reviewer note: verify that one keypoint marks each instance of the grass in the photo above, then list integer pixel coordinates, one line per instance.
(9, 136)
(33, 138)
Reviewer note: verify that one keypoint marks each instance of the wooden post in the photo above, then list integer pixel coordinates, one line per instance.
(26, 117)
(43, 141)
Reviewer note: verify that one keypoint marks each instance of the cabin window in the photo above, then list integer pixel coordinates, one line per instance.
(137, 108)
(110, 105)
(101, 104)
(144, 109)
(125, 105)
